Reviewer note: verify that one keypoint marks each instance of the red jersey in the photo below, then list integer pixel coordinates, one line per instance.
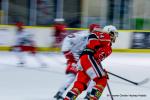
(59, 29)
(60, 33)
(99, 45)
(103, 52)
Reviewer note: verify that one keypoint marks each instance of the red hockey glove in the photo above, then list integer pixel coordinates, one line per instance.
(71, 68)
(69, 56)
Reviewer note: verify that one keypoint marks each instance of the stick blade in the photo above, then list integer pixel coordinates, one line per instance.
(144, 81)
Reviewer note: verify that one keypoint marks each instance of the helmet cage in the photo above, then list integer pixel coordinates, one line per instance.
(113, 36)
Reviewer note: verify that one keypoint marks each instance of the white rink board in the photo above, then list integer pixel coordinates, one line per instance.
(43, 37)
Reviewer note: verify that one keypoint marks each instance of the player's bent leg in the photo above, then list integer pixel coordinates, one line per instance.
(95, 71)
(89, 89)
(79, 86)
(91, 67)
(21, 59)
(98, 88)
(38, 59)
(70, 78)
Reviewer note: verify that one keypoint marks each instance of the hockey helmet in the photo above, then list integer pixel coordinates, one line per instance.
(19, 25)
(112, 30)
(93, 26)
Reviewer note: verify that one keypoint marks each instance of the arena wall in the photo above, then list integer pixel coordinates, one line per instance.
(127, 41)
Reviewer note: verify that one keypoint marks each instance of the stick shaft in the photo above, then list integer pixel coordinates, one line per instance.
(135, 83)
(110, 92)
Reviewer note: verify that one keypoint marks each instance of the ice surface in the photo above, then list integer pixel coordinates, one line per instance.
(32, 82)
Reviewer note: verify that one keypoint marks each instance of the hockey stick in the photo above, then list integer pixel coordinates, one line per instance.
(110, 92)
(135, 83)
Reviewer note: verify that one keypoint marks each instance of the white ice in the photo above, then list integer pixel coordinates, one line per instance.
(32, 82)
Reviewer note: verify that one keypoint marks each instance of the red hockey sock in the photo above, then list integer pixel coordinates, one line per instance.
(98, 88)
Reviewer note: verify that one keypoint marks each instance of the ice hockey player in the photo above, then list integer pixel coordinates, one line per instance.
(97, 49)
(59, 31)
(25, 45)
(72, 46)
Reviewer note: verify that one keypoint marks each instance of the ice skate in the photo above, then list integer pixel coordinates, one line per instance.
(20, 64)
(58, 96)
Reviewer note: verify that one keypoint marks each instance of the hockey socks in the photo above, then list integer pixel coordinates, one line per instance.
(98, 88)
(72, 95)
(95, 94)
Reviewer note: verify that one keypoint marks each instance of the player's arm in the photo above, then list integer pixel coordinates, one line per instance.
(92, 45)
(103, 52)
(66, 48)
(107, 50)
(93, 42)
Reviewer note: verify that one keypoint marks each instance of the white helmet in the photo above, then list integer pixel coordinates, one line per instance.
(112, 30)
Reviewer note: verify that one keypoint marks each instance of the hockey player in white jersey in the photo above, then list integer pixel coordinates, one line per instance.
(72, 47)
(25, 45)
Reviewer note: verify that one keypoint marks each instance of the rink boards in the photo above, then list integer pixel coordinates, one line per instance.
(127, 41)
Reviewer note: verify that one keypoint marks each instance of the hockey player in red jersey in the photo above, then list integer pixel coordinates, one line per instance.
(97, 49)
(72, 46)
(59, 31)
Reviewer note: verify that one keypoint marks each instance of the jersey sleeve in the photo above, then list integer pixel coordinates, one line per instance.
(96, 41)
(66, 44)
(107, 50)
(93, 42)
(103, 52)
(66, 49)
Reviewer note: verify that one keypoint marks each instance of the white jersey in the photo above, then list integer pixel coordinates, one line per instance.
(24, 38)
(75, 42)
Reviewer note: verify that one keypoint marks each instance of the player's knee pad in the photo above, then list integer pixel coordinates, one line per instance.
(91, 73)
(80, 85)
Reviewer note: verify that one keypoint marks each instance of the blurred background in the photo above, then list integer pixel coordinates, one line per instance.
(125, 14)
(129, 16)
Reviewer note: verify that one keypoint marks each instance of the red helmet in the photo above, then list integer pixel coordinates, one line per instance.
(92, 26)
(19, 24)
